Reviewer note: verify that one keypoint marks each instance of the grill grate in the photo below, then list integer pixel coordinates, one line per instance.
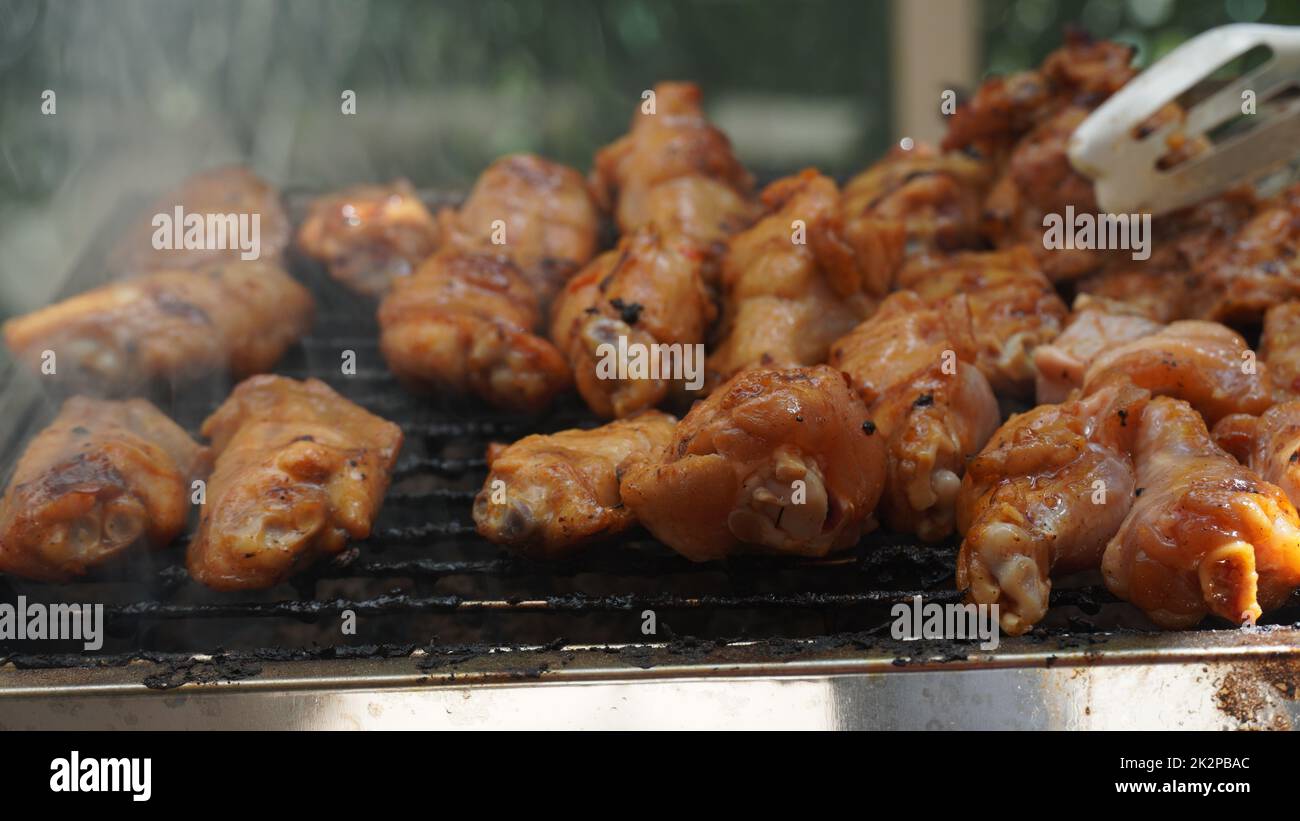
(425, 579)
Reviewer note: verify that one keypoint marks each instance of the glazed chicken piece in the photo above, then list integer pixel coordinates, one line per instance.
(632, 323)
(1279, 347)
(1203, 363)
(299, 472)
(670, 141)
(702, 209)
(465, 323)
(550, 496)
(912, 203)
(1006, 108)
(537, 213)
(1043, 499)
(103, 477)
(169, 325)
(369, 235)
(1095, 326)
(788, 293)
(228, 190)
(1257, 268)
(778, 461)
(1013, 309)
(1164, 286)
(1206, 535)
(913, 367)
(1267, 444)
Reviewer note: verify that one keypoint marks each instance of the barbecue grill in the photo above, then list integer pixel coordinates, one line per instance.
(450, 631)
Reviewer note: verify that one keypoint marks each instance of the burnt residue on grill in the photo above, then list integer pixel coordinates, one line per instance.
(425, 573)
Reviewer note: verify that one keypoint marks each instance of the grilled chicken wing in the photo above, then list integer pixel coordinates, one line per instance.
(670, 141)
(1267, 444)
(369, 235)
(1013, 308)
(559, 492)
(1043, 498)
(1257, 268)
(104, 476)
(465, 323)
(538, 213)
(912, 203)
(299, 471)
(1164, 286)
(913, 366)
(644, 295)
(1203, 363)
(780, 461)
(1279, 347)
(702, 209)
(1095, 326)
(789, 290)
(1206, 535)
(168, 325)
(1007, 107)
(228, 190)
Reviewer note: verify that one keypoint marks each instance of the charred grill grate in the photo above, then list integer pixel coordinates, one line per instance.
(425, 580)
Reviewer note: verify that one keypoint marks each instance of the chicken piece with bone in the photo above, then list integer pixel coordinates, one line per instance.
(1258, 267)
(223, 215)
(777, 461)
(789, 288)
(299, 472)
(911, 203)
(552, 495)
(103, 477)
(1044, 498)
(540, 214)
(466, 324)
(1013, 309)
(172, 326)
(1096, 326)
(1206, 535)
(671, 139)
(369, 235)
(914, 368)
(1204, 363)
(632, 324)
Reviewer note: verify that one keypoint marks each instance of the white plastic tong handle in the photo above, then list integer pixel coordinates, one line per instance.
(1123, 167)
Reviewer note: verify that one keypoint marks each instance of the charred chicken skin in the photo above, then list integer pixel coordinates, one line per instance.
(369, 235)
(537, 213)
(1257, 268)
(789, 288)
(549, 496)
(913, 367)
(646, 297)
(912, 203)
(779, 461)
(1204, 363)
(170, 325)
(466, 323)
(668, 141)
(1206, 535)
(299, 472)
(1095, 326)
(1044, 497)
(103, 477)
(225, 191)
(1013, 309)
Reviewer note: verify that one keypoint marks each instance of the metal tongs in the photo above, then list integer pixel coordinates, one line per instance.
(1124, 162)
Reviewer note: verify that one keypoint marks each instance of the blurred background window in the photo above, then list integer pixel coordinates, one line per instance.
(147, 91)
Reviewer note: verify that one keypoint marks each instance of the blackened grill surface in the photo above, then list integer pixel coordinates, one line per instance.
(425, 580)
